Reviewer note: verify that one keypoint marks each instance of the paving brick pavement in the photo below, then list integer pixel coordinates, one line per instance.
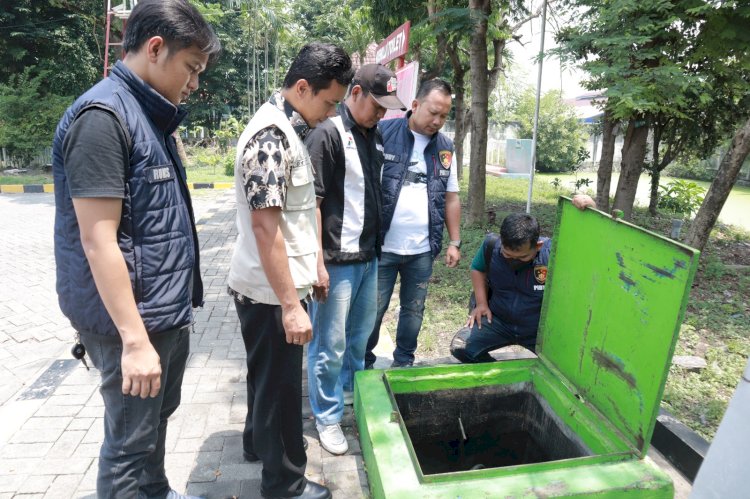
(49, 445)
(49, 441)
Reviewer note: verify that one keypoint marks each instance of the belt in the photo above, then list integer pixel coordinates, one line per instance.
(415, 177)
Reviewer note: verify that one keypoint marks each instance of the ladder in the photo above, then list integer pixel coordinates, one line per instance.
(116, 20)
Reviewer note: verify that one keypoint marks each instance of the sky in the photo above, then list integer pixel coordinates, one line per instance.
(553, 77)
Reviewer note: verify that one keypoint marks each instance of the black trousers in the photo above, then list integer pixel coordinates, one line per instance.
(273, 426)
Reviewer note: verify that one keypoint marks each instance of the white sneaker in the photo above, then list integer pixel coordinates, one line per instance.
(332, 438)
(348, 398)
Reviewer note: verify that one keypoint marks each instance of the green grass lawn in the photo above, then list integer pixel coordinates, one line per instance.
(194, 175)
(26, 179)
(717, 321)
(735, 209)
(207, 175)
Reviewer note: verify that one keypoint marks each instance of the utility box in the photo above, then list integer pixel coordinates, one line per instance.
(518, 156)
(577, 420)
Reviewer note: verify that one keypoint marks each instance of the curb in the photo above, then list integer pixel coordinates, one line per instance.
(684, 448)
(49, 188)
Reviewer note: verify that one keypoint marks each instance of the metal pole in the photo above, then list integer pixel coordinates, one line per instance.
(536, 109)
(108, 16)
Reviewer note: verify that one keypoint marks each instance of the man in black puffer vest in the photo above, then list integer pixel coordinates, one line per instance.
(126, 247)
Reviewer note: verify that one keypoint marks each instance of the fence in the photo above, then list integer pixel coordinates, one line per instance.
(496, 136)
(42, 159)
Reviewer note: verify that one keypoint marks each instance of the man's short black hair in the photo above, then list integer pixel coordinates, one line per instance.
(319, 64)
(428, 86)
(177, 21)
(519, 231)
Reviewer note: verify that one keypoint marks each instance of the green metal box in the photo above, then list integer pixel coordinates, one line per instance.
(614, 301)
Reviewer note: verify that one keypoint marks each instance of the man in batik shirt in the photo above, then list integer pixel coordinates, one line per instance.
(274, 264)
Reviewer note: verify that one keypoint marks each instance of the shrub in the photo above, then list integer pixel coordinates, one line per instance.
(681, 197)
(561, 143)
(691, 168)
(28, 115)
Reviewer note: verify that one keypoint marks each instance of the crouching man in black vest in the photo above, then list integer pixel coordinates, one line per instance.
(508, 275)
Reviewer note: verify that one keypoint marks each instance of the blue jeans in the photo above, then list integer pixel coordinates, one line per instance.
(341, 327)
(131, 460)
(415, 272)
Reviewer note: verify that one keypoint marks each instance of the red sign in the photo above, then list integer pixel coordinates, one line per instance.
(396, 45)
(407, 88)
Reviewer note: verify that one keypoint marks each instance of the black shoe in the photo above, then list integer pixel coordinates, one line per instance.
(252, 457)
(312, 491)
(396, 363)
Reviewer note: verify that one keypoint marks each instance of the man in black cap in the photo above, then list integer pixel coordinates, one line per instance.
(347, 155)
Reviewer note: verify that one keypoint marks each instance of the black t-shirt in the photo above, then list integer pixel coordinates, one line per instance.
(96, 156)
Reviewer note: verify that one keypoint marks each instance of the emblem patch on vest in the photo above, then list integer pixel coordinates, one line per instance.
(445, 158)
(540, 274)
(159, 173)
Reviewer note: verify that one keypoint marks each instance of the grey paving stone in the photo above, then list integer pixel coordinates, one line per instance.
(10, 483)
(337, 464)
(345, 486)
(17, 466)
(66, 445)
(53, 422)
(37, 435)
(195, 445)
(37, 484)
(63, 486)
(14, 451)
(206, 467)
(95, 433)
(216, 490)
(58, 466)
(88, 450)
(231, 449)
(237, 471)
(250, 489)
(204, 434)
(82, 423)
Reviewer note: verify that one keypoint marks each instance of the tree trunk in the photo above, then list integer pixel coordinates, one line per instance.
(180, 149)
(459, 89)
(633, 154)
(654, 196)
(479, 99)
(604, 174)
(726, 176)
(460, 128)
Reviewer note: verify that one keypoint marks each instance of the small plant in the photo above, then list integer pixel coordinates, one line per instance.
(580, 182)
(681, 197)
(556, 183)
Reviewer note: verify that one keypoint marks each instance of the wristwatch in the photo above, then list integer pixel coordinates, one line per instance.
(456, 243)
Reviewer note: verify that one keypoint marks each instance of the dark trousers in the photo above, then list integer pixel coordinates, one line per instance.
(471, 345)
(131, 460)
(273, 426)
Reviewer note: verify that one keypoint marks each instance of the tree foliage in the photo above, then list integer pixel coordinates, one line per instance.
(561, 143)
(56, 38)
(28, 114)
(49, 53)
(678, 69)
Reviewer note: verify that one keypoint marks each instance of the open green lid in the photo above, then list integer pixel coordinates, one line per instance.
(613, 304)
